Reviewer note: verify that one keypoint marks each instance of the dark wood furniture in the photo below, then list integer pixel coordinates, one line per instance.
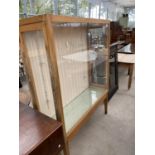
(38, 134)
(123, 34)
(113, 69)
(116, 32)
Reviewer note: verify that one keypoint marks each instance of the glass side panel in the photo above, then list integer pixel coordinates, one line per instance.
(82, 55)
(40, 70)
(81, 104)
(97, 42)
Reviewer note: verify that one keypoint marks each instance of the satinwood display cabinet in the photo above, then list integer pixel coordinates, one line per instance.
(66, 60)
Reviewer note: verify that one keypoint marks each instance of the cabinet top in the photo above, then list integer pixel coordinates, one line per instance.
(34, 128)
(61, 19)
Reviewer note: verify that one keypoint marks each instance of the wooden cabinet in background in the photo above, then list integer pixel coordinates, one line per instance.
(116, 32)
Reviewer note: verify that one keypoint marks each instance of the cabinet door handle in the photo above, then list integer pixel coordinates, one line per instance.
(59, 145)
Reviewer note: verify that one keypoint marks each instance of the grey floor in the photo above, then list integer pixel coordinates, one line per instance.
(114, 133)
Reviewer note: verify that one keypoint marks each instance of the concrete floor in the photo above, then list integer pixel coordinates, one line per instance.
(114, 133)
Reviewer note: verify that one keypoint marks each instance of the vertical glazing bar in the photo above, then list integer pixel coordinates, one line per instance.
(89, 10)
(99, 13)
(107, 13)
(25, 7)
(56, 7)
(76, 7)
(32, 2)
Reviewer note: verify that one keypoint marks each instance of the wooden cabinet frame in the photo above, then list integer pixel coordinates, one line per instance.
(44, 24)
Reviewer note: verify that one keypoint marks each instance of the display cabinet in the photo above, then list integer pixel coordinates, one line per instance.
(66, 59)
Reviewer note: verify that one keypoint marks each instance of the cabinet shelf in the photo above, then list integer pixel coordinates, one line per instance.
(81, 105)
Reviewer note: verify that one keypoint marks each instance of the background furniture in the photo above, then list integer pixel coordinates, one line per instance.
(128, 49)
(113, 67)
(116, 32)
(38, 134)
(66, 59)
(127, 60)
(129, 35)
(22, 74)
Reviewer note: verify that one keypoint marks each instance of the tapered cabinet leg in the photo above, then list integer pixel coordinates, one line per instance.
(66, 149)
(106, 105)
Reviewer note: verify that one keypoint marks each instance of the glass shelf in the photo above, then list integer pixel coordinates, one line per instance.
(81, 104)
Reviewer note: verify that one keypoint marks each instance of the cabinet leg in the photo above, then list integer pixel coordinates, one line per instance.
(106, 105)
(66, 149)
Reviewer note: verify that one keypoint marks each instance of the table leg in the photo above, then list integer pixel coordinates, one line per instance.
(130, 75)
(129, 70)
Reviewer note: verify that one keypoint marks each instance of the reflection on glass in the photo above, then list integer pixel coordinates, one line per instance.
(97, 42)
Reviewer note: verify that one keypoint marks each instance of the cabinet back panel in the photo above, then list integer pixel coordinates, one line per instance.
(73, 74)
